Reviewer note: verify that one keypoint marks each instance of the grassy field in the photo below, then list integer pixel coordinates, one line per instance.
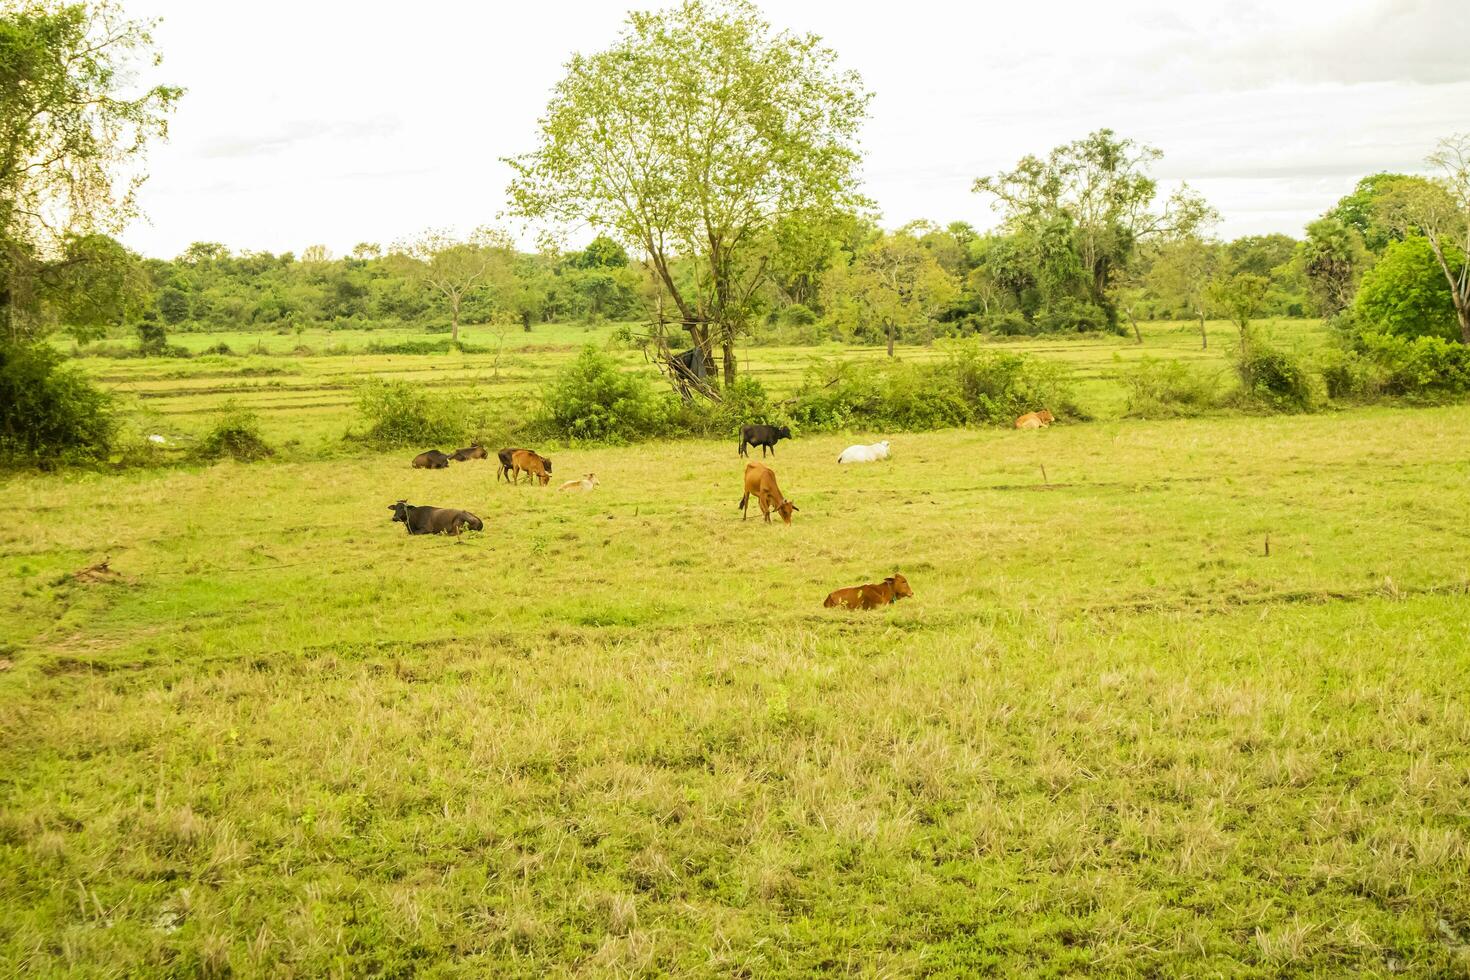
(617, 733)
(307, 400)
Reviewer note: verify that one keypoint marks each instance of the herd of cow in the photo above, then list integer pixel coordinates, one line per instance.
(760, 483)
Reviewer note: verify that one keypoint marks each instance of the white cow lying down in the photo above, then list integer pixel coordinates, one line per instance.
(864, 454)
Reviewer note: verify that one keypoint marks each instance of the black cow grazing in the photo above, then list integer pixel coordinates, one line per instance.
(473, 452)
(434, 520)
(765, 436)
(505, 461)
(431, 460)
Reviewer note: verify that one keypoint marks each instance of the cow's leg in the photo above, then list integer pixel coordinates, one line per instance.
(744, 501)
(742, 447)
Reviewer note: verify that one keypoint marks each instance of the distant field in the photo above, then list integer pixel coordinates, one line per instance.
(309, 399)
(617, 734)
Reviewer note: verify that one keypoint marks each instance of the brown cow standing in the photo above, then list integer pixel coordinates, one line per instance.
(760, 480)
(431, 460)
(885, 593)
(525, 461)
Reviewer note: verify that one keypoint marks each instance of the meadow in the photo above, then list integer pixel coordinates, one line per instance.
(1190, 700)
(306, 400)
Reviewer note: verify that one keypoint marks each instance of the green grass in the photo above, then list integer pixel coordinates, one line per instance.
(307, 402)
(617, 732)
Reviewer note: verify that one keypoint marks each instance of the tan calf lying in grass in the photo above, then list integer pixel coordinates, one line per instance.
(1035, 420)
(760, 480)
(586, 483)
(885, 593)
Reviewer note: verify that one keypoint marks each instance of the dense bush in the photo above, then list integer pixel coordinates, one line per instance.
(235, 433)
(1405, 293)
(398, 413)
(1167, 389)
(1068, 315)
(593, 399)
(971, 386)
(50, 413)
(1277, 379)
(1006, 323)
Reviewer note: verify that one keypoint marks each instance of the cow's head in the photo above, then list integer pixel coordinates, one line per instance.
(783, 432)
(547, 463)
(1046, 416)
(786, 509)
(400, 511)
(900, 585)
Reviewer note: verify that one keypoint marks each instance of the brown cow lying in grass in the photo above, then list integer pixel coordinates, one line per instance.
(885, 593)
(431, 460)
(760, 480)
(1035, 420)
(434, 520)
(473, 452)
(525, 461)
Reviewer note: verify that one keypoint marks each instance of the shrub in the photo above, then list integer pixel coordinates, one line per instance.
(1417, 366)
(220, 348)
(398, 413)
(1006, 323)
(1277, 379)
(972, 386)
(798, 315)
(1405, 293)
(1167, 389)
(1068, 315)
(593, 399)
(48, 412)
(236, 434)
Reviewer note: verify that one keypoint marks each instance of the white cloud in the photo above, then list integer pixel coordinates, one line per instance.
(311, 122)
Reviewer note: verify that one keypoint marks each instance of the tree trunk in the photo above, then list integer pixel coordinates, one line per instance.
(454, 323)
(1138, 334)
(727, 349)
(890, 338)
(1462, 310)
(1204, 338)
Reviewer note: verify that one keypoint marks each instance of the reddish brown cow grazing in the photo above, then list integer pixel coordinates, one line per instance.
(525, 461)
(761, 481)
(885, 593)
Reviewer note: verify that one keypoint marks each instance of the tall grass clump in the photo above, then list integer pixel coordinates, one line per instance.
(592, 399)
(235, 434)
(1276, 379)
(50, 413)
(397, 413)
(1159, 389)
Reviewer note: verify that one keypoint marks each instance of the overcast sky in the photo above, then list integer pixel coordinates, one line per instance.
(313, 122)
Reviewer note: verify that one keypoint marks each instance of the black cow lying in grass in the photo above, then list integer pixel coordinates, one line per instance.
(434, 520)
(476, 451)
(765, 436)
(431, 460)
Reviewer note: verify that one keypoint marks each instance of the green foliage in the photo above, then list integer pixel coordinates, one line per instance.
(50, 413)
(152, 337)
(593, 399)
(1377, 366)
(1276, 379)
(1406, 294)
(399, 413)
(1168, 389)
(1067, 314)
(235, 433)
(971, 386)
(1332, 258)
(74, 126)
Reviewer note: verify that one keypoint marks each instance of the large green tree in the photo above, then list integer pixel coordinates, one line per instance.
(695, 137)
(74, 128)
(894, 282)
(1438, 208)
(1333, 259)
(456, 270)
(1085, 208)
